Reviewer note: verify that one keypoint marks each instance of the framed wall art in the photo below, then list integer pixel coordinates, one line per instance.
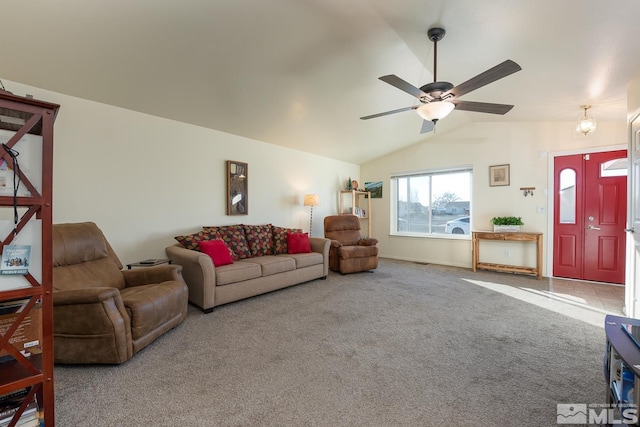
(237, 188)
(375, 188)
(499, 175)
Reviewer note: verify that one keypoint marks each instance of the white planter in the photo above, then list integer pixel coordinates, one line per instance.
(511, 228)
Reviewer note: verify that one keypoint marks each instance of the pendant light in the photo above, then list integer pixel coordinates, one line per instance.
(586, 124)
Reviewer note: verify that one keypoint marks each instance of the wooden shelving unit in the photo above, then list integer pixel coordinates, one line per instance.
(26, 127)
(358, 204)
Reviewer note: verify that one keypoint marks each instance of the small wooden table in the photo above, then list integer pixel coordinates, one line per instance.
(476, 236)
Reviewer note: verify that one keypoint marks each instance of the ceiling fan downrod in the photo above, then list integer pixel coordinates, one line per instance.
(435, 35)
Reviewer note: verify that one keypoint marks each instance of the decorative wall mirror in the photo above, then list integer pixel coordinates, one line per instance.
(237, 188)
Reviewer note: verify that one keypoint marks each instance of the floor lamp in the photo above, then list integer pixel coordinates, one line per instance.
(311, 200)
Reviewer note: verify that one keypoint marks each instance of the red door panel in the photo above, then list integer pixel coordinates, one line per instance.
(568, 234)
(589, 242)
(566, 249)
(605, 216)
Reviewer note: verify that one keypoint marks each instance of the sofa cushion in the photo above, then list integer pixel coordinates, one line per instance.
(298, 243)
(234, 237)
(307, 260)
(217, 250)
(237, 272)
(259, 239)
(190, 241)
(280, 245)
(273, 264)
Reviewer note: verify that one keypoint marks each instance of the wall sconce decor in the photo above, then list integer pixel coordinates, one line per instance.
(528, 191)
(311, 200)
(586, 124)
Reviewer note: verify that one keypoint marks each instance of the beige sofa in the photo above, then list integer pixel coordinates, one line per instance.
(256, 268)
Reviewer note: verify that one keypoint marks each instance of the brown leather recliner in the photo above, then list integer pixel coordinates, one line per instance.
(101, 313)
(349, 252)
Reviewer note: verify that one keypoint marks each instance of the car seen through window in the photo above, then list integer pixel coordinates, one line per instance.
(457, 226)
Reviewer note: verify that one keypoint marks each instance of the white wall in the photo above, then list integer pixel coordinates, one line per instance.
(525, 146)
(144, 179)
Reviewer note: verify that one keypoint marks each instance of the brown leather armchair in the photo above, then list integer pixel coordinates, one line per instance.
(101, 313)
(349, 252)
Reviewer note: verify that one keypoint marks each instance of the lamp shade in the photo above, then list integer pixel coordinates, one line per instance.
(311, 200)
(435, 110)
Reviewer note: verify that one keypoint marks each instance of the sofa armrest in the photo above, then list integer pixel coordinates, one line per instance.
(368, 241)
(321, 245)
(149, 275)
(91, 325)
(198, 272)
(85, 295)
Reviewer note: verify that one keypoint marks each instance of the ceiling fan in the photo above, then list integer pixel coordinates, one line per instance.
(438, 99)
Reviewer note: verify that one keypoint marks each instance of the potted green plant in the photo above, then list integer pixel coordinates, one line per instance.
(506, 223)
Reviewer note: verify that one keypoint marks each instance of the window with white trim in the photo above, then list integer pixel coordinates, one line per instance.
(436, 202)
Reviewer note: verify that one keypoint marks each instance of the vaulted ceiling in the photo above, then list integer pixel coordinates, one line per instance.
(300, 73)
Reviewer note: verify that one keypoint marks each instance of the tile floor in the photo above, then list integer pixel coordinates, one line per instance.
(602, 296)
(586, 301)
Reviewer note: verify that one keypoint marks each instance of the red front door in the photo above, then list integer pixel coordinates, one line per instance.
(590, 209)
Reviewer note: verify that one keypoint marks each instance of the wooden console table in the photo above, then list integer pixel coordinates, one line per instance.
(508, 237)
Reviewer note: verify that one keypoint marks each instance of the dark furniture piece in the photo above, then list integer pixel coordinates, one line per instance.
(103, 314)
(349, 251)
(28, 125)
(622, 368)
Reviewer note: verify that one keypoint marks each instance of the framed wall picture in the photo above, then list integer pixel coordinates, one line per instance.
(499, 175)
(237, 188)
(375, 188)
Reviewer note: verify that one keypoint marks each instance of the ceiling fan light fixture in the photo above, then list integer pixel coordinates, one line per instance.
(434, 111)
(586, 124)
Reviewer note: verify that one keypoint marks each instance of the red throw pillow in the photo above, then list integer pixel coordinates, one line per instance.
(298, 243)
(217, 250)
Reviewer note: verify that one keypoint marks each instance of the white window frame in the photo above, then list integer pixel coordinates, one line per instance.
(427, 172)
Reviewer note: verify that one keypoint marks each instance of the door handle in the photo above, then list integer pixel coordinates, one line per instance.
(630, 229)
(591, 227)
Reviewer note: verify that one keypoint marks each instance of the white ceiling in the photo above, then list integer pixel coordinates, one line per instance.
(300, 73)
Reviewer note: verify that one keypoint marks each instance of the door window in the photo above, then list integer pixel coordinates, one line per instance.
(568, 196)
(615, 167)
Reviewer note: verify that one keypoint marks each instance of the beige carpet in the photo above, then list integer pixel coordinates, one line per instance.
(407, 345)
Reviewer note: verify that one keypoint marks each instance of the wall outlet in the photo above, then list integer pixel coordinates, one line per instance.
(507, 253)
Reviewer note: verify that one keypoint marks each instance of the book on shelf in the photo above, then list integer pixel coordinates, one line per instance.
(28, 336)
(15, 259)
(34, 421)
(13, 398)
(9, 405)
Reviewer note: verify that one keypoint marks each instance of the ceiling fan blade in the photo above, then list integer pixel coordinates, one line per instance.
(396, 81)
(482, 107)
(491, 75)
(386, 113)
(427, 126)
